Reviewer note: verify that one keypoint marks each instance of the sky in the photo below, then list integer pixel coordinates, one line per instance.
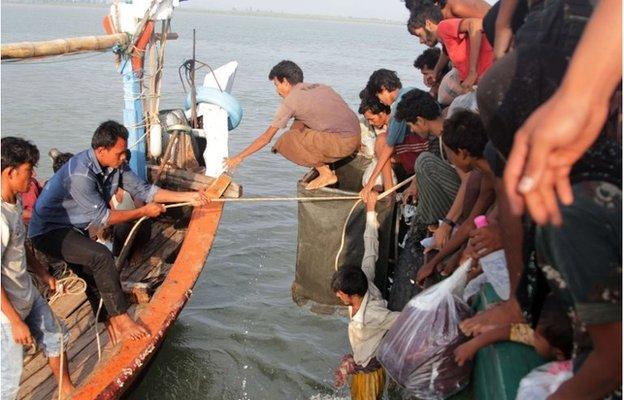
(381, 9)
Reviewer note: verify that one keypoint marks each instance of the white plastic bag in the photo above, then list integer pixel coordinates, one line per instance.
(417, 352)
(474, 286)
(544, 380)
(494, 266)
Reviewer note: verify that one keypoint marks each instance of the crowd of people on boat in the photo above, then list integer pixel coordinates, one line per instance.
(520, 128)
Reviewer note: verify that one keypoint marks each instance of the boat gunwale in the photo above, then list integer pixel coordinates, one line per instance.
(112, 378)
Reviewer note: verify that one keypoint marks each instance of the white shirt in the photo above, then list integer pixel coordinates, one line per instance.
(368, 326)
(16, 280)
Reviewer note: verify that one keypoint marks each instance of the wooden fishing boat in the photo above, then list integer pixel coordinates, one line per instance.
(158, 277)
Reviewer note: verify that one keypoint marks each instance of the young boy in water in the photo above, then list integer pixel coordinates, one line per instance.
(26, 318)
(369, 317)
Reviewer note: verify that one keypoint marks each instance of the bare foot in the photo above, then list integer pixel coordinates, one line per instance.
(66, 390)
(112, 335)
(125, 328)
(326, 177)
(507, 312)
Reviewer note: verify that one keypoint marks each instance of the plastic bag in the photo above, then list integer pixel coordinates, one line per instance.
(544, 380)
(417, 352)
(474, 286)
(494, 266)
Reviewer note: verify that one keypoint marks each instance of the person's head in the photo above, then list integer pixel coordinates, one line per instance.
(464, 139)
(109, 142)
(419, 110)
(19, 159)
(384, 84)
(59, 159)
(426, 62)
(375, 112)
(553, 336)
(284, 76)
(423, 23)
(348, 283)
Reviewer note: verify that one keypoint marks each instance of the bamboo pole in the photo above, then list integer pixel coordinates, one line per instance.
(61, 46)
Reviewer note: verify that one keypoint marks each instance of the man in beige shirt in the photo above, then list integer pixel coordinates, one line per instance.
(369, 317)
(324, 129)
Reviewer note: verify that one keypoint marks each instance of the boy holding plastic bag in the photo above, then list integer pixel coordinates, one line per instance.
(369, 317)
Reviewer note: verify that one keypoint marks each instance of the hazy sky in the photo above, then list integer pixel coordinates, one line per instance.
(383, 9)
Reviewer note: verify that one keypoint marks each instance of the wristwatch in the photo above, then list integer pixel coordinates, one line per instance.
(449, 222)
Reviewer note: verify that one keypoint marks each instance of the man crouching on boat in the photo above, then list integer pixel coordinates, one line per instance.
(369, 316)
(26, 317)
(324, 130)
(77, 198)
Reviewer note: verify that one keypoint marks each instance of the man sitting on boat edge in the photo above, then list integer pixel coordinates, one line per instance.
(324, 129)
(77, 198)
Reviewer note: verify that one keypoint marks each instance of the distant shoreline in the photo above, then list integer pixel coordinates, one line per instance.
(247, 13)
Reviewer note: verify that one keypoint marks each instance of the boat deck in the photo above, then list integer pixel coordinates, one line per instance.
(148, 267)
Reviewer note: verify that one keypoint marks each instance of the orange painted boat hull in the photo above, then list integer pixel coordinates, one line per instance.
(116, 374)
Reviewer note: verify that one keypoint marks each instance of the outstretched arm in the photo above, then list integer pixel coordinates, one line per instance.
(539, 165)
(256, 145)
(474, 28)
(382, 159)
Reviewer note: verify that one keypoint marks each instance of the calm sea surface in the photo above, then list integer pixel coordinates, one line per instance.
(240, 336)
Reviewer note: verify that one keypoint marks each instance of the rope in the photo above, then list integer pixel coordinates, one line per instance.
(344, 227)
(71, 284)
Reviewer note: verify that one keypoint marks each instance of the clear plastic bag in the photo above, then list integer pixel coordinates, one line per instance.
(544, 380)
(417, 352)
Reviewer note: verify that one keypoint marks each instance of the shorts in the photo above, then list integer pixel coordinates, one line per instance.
(368, 385)
(46, 331)
(310, 148)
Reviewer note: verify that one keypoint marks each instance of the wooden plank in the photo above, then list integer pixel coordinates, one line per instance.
(113, 377)
(82, 361)
(61, 46)
(187, 180)
(77, 324)
(35, 382)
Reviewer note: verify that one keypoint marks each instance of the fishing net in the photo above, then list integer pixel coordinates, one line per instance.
(320, 233)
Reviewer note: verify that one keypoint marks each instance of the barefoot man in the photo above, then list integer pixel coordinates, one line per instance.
(324, 129)
(75, 199)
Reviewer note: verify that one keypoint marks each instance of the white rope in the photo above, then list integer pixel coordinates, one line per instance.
(344, 227)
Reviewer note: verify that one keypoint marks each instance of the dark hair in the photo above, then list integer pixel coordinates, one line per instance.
(429, 59)
(419, 15)
(464, 130)
(555, 325)
(371, 103)
(17, 151)
(60, 160)
(288, 70)
(417, 103)
(351, 280)
(107, 133)
(383, 79)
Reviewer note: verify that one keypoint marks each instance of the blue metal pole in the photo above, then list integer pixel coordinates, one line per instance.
(133, 118)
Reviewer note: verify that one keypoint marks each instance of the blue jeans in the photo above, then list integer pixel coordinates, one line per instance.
(46, 330)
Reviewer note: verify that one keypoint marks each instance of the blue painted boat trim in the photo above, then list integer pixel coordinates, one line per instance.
(133, 118)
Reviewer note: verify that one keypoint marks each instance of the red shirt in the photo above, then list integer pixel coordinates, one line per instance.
(458, 47)
(407, 152)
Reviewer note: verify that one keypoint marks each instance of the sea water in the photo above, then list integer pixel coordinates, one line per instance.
(240, 336)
